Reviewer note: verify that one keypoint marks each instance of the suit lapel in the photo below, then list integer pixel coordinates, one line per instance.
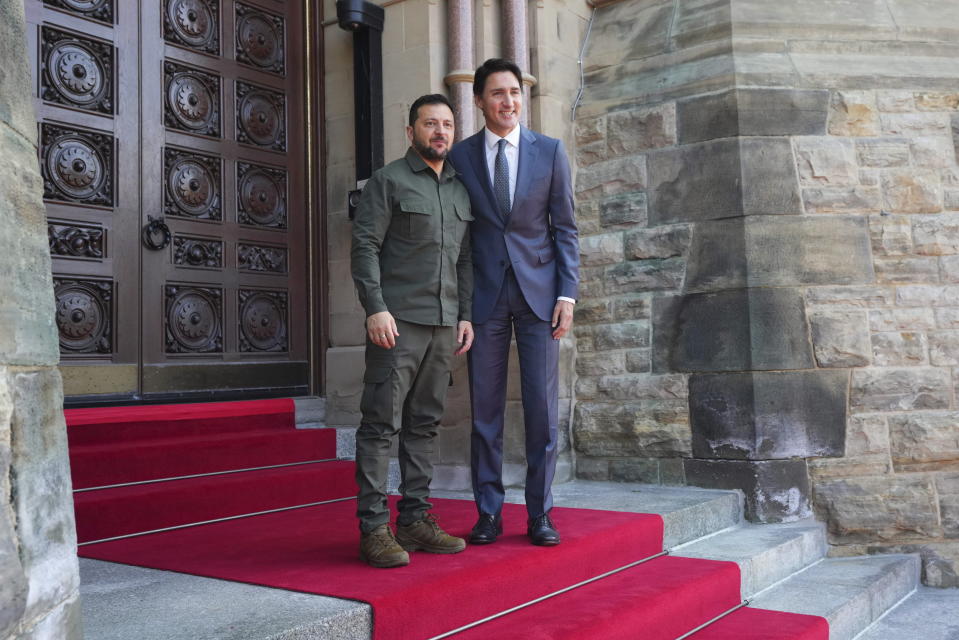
(478, 159)
(528, 152)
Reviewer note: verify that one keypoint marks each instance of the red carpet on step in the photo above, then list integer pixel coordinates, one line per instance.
(761, 624)
(664, 598)
(119, 511)
(315, 550)
(110, 425)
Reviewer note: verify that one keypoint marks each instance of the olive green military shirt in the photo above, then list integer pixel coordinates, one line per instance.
(411, 252)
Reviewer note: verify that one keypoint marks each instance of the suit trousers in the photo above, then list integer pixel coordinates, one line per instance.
(404, 393)
(539, 384)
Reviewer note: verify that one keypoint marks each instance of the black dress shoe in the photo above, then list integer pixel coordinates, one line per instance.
(486, 529)
(542, 531)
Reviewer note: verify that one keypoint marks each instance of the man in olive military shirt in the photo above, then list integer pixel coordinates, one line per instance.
(414, 276)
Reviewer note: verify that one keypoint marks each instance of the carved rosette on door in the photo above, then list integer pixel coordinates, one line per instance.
(194, 319)
(193, 24)
(77, 72)
(84, 316)
(263, 320)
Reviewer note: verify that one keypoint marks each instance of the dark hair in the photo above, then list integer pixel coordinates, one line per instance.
(432, 98)
(491, 66)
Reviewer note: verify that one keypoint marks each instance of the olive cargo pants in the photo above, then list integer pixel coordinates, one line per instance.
(404, 393)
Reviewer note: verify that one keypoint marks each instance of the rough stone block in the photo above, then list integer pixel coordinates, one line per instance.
(944, 348)
(895, 101)
(825, 161)
(914, 124)
(668, 391)
(29, 336)
(883, 152)
(645, 275)
(769, 178)
(592, 468)
(949, 268)
(887, 508)
(851, 296)
(679, 178)
(592, 311)
(936, 235)
(612, 177)
(661, 242)
(753, 112)
(623, 335)
(900, 389)
(901, 320)
(937, 101)
(13, 582)
(600, 364)
(899, 348)
(41, 484)
(632, 307)
(637, 130)
(867, 450)
(16, 103)
(642, 470)
(924, 441)
(761, 416)
(840, 338)
(590, 130)
(739, 330)
(919, 295)
(904, 270)
(639, 361)
(936, 152)
(775, 490)
(602, 249)
(947, 486)
(912, 191)
(625, 209)
(860, 199)
(628, 429)
(950, 199)
(891, 235)
(591, 153)
(853, 113)
(778, 251)
(946, 318)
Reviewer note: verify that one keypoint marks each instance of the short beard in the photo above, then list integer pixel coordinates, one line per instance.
(428, 152)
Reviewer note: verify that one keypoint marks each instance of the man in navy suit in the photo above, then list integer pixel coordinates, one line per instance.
(526, 270)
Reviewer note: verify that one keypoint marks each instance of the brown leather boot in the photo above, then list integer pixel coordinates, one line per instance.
(379, 549)
(426, 535)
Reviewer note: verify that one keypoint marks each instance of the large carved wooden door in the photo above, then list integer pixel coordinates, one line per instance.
(172, 150)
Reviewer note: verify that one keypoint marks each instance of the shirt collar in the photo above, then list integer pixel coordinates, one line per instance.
(512, 137)
(417, 164)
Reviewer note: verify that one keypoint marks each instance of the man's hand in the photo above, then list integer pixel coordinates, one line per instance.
(464, 336)
(562, 318)
(381, 329)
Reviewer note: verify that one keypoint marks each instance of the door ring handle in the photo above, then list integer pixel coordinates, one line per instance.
(156, 234)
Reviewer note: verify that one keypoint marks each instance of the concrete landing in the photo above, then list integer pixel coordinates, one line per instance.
(930, 614)
(121, 602)
(688, 513)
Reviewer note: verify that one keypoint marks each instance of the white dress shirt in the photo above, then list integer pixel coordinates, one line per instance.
(512, 158)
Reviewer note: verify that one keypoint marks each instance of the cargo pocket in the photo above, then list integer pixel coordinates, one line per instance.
(417, 222)
(377, 401)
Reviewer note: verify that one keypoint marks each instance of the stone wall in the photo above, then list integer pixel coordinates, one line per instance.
(414, 63)
(767, 197)
(39, 579)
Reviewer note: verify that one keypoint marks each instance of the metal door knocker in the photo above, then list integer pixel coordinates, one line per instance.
(156, 235)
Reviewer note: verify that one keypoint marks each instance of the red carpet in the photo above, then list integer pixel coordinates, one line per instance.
(123, 510)
(760, 624)
(665, 598)
(316, 550)
(105, 464)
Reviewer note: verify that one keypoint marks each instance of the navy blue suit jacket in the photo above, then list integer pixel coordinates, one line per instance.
(538, 238)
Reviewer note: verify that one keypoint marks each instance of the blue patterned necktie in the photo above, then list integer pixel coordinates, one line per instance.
(501, 179)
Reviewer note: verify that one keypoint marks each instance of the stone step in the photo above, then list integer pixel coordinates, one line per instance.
(119, 602)
(765, 553)
(688, 513)
(310, 411)
(934, 611)
(851, 593)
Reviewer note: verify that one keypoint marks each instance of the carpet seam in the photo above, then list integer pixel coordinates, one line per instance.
(214, 521)
(204, 475)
